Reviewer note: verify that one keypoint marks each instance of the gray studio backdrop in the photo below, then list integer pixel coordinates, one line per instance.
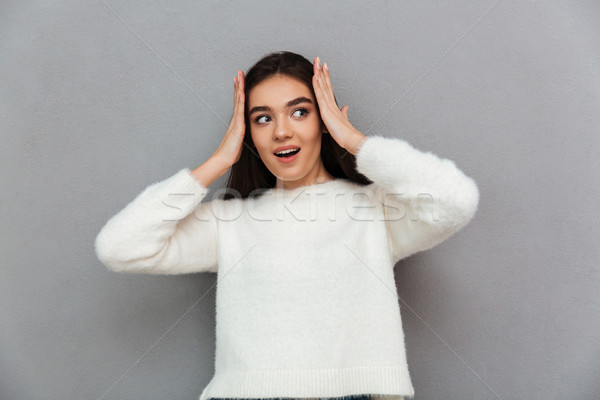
(101, 98)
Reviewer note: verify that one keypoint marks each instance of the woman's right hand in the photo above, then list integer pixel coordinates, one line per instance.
(230, 148)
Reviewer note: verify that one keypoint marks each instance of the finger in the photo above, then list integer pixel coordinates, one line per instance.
(327, 101)
(327, 76)
(345, 111)
(238, 103)
(316, 84)
(326, 86)
(235, 93)
(320, 78)
(315, 79)
(319, 74)
(320, 93)
(317, 88)
(236, 81)
(241, 81)
(240, 98)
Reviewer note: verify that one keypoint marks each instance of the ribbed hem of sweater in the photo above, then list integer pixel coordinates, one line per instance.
(389, 382)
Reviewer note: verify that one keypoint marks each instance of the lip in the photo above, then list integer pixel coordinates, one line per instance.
(289, 146)
(287, 160)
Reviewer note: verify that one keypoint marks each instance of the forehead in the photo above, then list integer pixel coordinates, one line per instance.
(276, 91)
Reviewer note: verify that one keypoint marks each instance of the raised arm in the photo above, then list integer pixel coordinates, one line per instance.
(406, 178)
(165, 229)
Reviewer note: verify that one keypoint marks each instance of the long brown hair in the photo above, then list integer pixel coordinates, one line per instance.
(249, 174)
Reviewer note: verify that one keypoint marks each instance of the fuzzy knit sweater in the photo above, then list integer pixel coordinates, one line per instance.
(306, 302)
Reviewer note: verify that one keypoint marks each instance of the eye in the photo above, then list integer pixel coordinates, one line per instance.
(304, 110)
(259, 117)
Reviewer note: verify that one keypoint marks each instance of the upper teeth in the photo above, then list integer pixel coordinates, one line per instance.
(286, 151)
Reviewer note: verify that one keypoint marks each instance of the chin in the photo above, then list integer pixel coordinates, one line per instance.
(287, 178)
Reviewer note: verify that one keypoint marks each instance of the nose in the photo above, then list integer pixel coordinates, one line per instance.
(282, 130)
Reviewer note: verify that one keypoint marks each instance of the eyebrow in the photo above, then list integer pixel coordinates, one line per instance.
(289, 104)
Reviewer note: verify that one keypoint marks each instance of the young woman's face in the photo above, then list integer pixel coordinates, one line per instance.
(282, 112)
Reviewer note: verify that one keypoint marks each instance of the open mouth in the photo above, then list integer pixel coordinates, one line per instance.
(287, 153)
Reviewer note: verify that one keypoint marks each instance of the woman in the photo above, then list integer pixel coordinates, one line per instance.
(284, 75)
(304, 243)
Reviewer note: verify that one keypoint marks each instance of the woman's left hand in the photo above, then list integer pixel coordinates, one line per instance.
(336, 120)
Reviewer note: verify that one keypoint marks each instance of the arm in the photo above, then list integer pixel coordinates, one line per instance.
(406, 178)
(165, 229)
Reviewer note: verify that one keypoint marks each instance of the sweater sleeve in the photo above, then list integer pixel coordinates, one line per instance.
(164, 230)
(407, 180)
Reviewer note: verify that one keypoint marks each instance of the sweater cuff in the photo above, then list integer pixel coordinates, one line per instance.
(179, 194)
(382, 159)
(187, 183)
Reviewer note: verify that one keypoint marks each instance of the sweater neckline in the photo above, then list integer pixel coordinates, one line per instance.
(309, 188)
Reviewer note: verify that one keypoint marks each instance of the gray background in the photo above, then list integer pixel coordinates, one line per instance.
(100, 99)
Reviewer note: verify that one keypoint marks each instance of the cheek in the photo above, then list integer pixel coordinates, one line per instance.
(263, 147)
(315, 138)
(314, 146)
(256, 139)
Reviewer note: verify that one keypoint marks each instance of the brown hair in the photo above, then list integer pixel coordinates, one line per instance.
(249, 174)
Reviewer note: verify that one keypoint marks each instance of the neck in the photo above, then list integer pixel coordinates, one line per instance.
(310, 179)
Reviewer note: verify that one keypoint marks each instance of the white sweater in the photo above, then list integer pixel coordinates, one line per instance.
(306, 302)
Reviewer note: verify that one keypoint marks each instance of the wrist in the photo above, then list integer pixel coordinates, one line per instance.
(356, 143)
(219, 162)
